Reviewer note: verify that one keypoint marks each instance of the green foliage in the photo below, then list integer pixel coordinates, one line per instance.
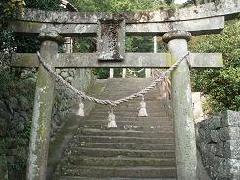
(117, 5)
(139, 44)
(84, 44)
(221, 85)
(133, 44)
(6, 48)
(27, 44)
(43, 4)
(101, 73)
(11, 8)
(16, 140)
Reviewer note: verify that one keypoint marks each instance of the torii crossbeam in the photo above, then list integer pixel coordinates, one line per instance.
(111, 29)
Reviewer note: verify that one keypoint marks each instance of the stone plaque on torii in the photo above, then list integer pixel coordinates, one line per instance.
(111, 29)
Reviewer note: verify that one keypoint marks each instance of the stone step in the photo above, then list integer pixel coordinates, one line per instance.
(129, 114)
(147, 119)
(133, 86)
(140, 172)
(130, 111)
(150, 104)
(106, 152)
(118, 162)
(121, 126)
(128, 126)
(132, 118)
(139, 148)
(132, 89)
(120, 95)
(133, 109)
(146, 123)
(132, 82)
(129, 133)
(120, 139)
(126, 146)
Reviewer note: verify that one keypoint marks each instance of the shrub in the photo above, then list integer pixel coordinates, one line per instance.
(221, 85)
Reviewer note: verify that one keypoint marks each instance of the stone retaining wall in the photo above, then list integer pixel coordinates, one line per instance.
(16, 103)
(81, 79)
(218, 140)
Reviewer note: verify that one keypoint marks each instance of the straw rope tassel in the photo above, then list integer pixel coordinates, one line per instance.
(111, 119)
(142, 111)
(80, 111)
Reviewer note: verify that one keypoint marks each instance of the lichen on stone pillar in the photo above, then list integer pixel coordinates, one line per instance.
(43, 103)
(182, 106)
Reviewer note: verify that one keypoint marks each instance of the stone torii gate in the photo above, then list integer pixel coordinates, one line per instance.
(176, 26)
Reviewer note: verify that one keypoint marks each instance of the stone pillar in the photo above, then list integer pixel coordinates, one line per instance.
(68, 44)
(182, 107)
(148, 72)
(124, 72)
(155, 47)
(111, 72)
(43, 103)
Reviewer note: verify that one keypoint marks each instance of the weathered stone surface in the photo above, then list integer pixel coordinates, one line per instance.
(215, 135)
(224, 8)
(14, 124)
(3, 105)
(13, 103)
(34, 28)
(221, 155)
(3, 168)
(41, 121)
(217, 167)
(195, 26)
(93, 146)
(64, 74)
(85, 60)
(231, 149)
(231, 118)
(193, 19)
(111, 39)
(3, 132)
(208, 25)
(234, 167)
(205, 135)
(212, 148)
(5, 114)
(229, 133)
(229, 169)
(186, 156)
(214, 122)
(220, 149)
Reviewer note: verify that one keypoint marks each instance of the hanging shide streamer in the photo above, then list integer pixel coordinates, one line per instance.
(111, 119)
(142, 111)
(80, 111)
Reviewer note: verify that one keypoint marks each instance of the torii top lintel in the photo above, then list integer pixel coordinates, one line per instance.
(203, 19)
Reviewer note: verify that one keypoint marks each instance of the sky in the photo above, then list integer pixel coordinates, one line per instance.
(180, 1)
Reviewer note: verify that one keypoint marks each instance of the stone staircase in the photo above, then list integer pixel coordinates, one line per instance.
(140, 148)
